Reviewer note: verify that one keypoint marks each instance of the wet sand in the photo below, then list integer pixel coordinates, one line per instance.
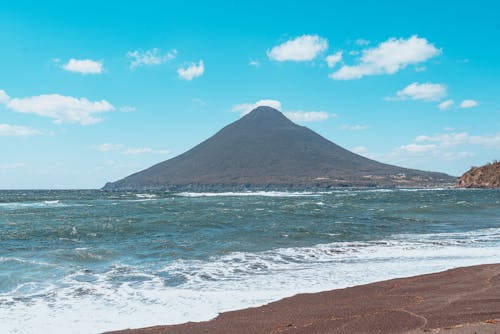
(457, 301)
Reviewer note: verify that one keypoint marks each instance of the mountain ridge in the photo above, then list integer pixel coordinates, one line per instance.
(264, 149)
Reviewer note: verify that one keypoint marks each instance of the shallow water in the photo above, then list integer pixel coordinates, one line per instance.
(94, 261)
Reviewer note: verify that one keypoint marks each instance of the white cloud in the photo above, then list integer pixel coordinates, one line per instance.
(448, 146)
(245, 108)
(108, 147)
(353, 127)
(359, 149)
(143, 150)
(446, 104)
(417, 148)
(192, 71)
(63, 109)
(149, 57)
(388, 58)
(307, 116)
(461, 138)
(8, 130)
(84, 66)
(294, 115)
(426, 91)
(468, 104)
(448, 128)
(302, 48)
(254, 63)
(199, 101)
(442, 146)
(333, 59)
(4, 98)
(362, 42)
(127, 109)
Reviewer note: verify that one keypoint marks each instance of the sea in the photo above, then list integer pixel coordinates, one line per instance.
(88, 261)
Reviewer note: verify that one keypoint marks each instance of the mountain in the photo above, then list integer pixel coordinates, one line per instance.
(487, 176)
(264, 149)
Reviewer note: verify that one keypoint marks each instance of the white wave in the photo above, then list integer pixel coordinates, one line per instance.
(128, 297)
(147, 196)
(22, 205)
(250, 193)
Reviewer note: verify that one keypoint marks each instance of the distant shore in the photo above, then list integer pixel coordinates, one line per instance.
(461, 300)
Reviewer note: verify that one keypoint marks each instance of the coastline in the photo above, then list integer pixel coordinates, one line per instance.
(460, 300)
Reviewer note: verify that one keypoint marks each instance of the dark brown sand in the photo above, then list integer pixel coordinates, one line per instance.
(462, 300)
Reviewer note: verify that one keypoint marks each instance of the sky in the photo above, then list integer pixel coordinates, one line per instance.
(93, 91)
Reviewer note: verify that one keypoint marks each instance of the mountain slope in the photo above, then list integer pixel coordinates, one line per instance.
(266, 149)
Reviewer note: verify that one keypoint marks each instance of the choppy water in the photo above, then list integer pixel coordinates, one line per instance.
(94, 261)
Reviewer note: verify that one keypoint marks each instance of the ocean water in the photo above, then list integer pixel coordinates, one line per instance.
(92, 261)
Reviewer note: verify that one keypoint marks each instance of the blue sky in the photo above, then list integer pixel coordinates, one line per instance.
(93, 91)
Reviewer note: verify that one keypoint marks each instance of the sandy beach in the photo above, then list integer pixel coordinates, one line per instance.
(461, 300)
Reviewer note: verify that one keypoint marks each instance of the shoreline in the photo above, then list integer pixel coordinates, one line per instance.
(460, 300)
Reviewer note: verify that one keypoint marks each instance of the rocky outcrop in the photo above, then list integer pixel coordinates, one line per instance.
(487, 176)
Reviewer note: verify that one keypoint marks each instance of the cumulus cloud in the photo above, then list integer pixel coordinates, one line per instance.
(192, 71)
(294, 115)
(333, 59)
(4, 98)
(353, 127)
(307, 116)
(445, 105)
(388, 58)
(417, 148)
(461, 138)
(362, 42)
(7, 130)
(254, 63)
(245, 108)
(425, 91)
(149, 57)
(127, 109)
(301, 48)
(143, 150)
(443, 146)
(63, 109)
(450, 146)
(468, 104)
(84, 66)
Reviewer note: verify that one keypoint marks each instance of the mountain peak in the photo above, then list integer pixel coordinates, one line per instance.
(263, 110)
(266, 115)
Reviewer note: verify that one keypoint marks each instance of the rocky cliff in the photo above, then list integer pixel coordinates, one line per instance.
(487, 176)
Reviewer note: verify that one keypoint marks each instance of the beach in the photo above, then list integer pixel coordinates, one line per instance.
(461, 300)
